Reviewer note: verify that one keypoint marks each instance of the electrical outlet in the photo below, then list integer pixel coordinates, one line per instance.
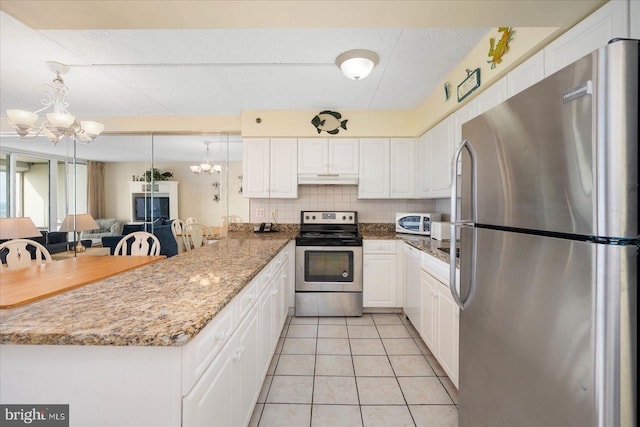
(260, 213)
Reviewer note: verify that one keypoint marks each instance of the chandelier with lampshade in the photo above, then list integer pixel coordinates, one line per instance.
(206, 167)
(58, 123)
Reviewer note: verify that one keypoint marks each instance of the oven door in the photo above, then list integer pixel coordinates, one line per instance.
(329, 268)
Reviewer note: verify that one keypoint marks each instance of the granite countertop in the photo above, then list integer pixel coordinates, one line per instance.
(424, 243)
(161, 304)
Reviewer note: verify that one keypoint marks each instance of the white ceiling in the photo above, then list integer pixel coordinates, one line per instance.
(218, 71)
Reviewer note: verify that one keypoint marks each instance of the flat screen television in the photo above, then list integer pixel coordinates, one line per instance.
(147, 208)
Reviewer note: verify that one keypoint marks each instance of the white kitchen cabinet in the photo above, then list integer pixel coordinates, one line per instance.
(402, 163)
(270, 168)
(380, 288)
(248, 373)
(593, 32)
(526, 74)
(413, 292)
(317, 156)
(435, 150)
(490, 97)
(373, 181)
(440, 315)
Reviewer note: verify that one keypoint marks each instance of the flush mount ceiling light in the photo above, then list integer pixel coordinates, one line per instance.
(59, 123)
(357, 64)
(205, 167)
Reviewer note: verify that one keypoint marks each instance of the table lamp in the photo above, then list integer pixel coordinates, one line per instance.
(18, 227)
(78, 223)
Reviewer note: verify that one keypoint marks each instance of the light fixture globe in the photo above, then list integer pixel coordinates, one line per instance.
(356, 64)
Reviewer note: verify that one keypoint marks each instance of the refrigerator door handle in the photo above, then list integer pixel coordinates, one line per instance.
(455, 222)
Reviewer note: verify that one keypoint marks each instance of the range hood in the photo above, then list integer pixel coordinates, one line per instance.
(328, 179)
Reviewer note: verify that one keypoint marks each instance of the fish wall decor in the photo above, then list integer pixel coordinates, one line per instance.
(329, 121)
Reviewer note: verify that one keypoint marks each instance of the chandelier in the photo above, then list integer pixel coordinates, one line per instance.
(58, 123)
(206, 166)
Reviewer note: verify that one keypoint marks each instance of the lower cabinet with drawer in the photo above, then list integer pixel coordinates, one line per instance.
(440, 316)
(380, 288)
(225, 368)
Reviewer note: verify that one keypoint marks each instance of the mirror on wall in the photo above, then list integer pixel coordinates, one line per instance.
(125, 162)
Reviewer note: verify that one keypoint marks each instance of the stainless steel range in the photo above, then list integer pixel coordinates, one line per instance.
(328, 265)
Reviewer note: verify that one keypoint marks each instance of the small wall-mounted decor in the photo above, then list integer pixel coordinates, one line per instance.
(447, 90)
(468, 85)
(496, 51)
(329, 121)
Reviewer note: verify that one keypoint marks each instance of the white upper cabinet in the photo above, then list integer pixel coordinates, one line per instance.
(526, 74)
(490, 97)
(343, 156)
(317, 156)
(373, 182)
(269, 168)
(435, 151)
(283, 182)
(401, 167)
(594, 32)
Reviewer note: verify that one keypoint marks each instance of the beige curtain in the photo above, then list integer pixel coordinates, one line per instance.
(95, 189)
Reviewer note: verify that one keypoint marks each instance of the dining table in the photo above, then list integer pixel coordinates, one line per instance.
(24, 285)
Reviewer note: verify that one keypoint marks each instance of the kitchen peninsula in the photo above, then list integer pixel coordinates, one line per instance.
(146, 346)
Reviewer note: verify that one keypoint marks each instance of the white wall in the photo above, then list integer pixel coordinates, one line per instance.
(339, 197)
(195, 192)
(36, 194)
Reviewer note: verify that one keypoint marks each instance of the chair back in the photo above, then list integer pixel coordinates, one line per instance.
(197, 235)
(140, 245)
(19, 256)
(231, 219)
(191, 220)
(178, 229)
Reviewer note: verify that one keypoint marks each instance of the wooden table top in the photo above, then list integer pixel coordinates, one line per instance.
(24, 285)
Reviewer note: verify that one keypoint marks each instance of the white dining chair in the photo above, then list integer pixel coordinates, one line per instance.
(191, 220)
(140, 246)
(178, 229)
(18, 255)
(197, 235)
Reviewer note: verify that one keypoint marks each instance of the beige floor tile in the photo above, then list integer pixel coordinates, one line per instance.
(262, 397)
(255, 417)
(451, 389)
(273, 364)
(331, 320)
(335, 390)
(386, 416)
(367, 346)
(336, 416)
(287, 415)
(412, 330)
(422, 347)
(365, 331)
(299, 346)
(398, 346)
(365, 320)
(332, 331)
(424, 391)
(290, 389)
(412, 365)
(435, 415)
(333, 346)
(296, 364)
(302, 331)
(304, 321)
(334, 365)
(393, 331)
(436, 366)
(379, 391)
(386, 319)
(372, 366)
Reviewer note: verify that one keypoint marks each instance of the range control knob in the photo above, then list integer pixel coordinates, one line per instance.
(306, 217)
(313, 217)
(350, 217)
(344, 217)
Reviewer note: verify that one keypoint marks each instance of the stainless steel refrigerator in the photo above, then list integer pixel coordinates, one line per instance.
(548, 217)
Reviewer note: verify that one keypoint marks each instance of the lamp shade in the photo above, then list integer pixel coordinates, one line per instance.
(22, 118)
(357, 64)
(60, 120)
(79, 222)
(91, 128)
(18, 227)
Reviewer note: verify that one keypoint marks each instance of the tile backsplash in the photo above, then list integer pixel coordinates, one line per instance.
(340, 197)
